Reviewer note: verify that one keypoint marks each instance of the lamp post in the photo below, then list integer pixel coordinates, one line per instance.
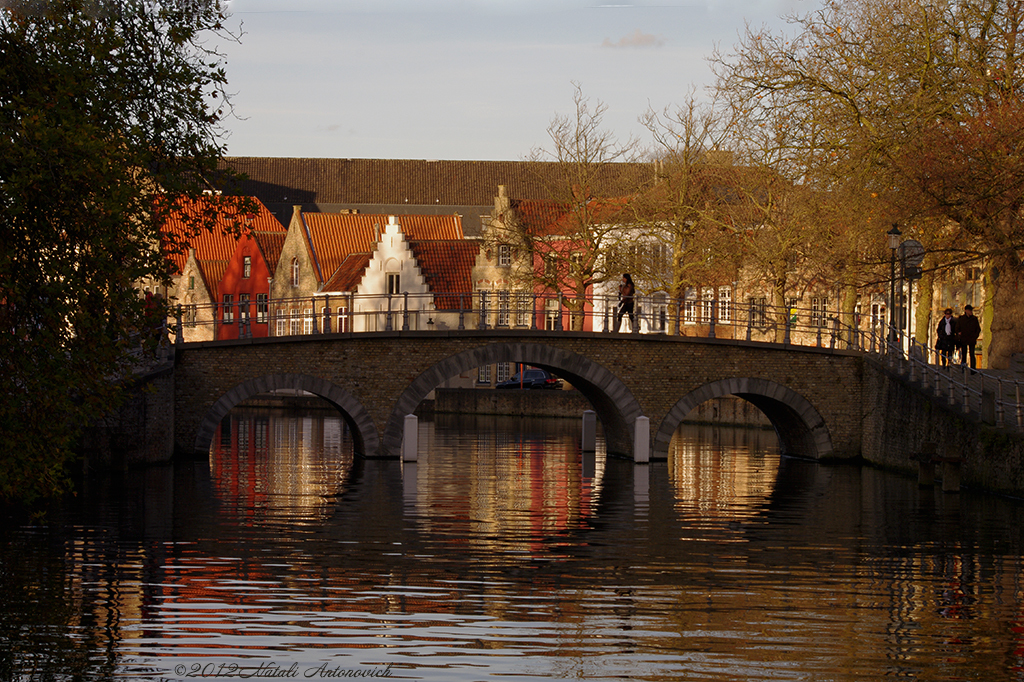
(894, 243)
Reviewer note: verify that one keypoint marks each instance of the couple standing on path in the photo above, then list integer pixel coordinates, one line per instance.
(959, 334)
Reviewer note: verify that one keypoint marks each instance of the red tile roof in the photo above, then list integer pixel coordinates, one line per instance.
(447, 267)
(270, 245)
(215, 244)
(349, 273)
(335, 236)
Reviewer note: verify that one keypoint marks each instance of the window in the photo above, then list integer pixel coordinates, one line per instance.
(191, 282)
(295, 272)
(262, 308)
(758, 312)
(394, 283)
(550, 266)
(484, 308)
(190, 315)
(295, 323)
(725, 304)
(243, 307)
(307, 321)
(819, 311)
(247, 267)
(343, 318)
(483, 374)
(524, 309)
(690, 306)
(229, 314)
(504, 371)
(282, 324)
(504, 255)
(551, 313)
(707, 304)
(504, 313)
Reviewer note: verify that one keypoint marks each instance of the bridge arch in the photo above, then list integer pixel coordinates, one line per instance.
(799, 426)
(365, 439)
(613, 402)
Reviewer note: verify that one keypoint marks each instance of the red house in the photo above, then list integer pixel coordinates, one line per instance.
(244, 290)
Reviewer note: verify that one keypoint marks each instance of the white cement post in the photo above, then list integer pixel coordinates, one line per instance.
(642, 441)
(410, 438)
(589, 443)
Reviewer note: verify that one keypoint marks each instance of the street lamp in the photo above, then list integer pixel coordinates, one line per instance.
(894, 243)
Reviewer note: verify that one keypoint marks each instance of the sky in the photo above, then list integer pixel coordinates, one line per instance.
(464, 79)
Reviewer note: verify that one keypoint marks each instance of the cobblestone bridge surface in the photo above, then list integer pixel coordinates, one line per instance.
(813, 396)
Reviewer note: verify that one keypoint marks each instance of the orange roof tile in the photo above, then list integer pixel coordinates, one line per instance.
(349, 273)
(446, 266)
(335, 236)
(215, 244)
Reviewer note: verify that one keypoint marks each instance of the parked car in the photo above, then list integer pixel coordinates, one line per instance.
(532, 378)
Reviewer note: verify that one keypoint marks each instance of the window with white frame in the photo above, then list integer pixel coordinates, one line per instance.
(342, 319)
(228, 311)
(707, 304)
(725, 304)
(504, 308)
(819, 311)
(690, 306)
(504, 371)
(190, 315)
(243, 307)
(524, 309)
(307, 321)
(484, 306)
(282, 324)
(394, 283)
(551, 312)
(246, 267)
(483, 374)
(295, 322)
(504, 255)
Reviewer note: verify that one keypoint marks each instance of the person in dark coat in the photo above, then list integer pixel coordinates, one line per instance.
(946, 337)
(968, 329)
(626, 293)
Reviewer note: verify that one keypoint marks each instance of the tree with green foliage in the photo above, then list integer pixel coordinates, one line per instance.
(110, 117)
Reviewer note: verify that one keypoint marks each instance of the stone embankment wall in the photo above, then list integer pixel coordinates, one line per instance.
(901, 419)
(571, 404)
(141, 431)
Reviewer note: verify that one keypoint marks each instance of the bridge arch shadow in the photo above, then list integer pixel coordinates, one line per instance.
(365, 439)
(612, 401)
(800, 428)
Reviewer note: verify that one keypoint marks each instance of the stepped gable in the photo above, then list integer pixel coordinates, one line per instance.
(336, 236)
(406, 181)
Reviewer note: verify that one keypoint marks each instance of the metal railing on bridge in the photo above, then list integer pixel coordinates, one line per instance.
(960, 386)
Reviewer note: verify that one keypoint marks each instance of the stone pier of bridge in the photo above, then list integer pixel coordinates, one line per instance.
(814, 397)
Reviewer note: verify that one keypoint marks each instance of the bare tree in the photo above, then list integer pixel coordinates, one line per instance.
(566, 254)
(861, 95)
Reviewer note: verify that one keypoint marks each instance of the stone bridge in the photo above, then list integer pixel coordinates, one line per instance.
(813, 396)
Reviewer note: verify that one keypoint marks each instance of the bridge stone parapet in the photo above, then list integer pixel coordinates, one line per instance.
(813, 396)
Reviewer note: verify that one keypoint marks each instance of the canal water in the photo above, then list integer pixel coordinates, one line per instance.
(506, 554)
